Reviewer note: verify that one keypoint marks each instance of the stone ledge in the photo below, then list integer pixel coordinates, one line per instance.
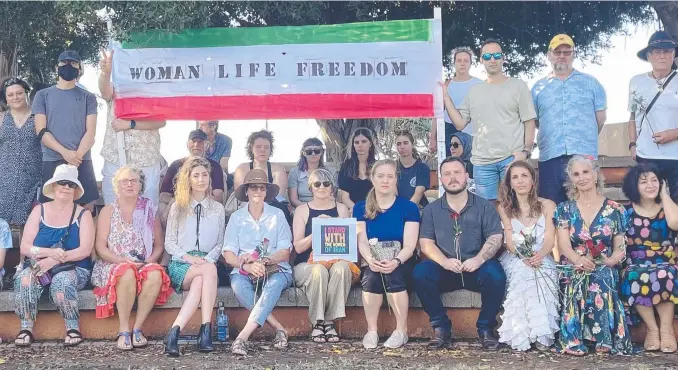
(87, 301)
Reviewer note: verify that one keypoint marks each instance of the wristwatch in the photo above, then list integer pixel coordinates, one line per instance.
(132, 124)
(632, 144)
(398, 261)
(528, 153)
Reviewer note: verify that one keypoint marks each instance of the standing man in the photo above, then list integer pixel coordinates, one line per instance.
(571, 110)
(503, 118)
(460, 234)
(458, 87)
(653, 128)
(65, 121)
(218, 147)
(128, 142)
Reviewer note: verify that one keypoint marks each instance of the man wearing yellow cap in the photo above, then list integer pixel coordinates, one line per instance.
(571, 110)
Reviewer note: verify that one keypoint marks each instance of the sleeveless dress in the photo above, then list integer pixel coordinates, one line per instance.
(21, 168)
(651, 274)
(124, 240)
(531, 305)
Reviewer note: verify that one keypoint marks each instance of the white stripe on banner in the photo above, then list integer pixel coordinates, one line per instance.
(411, 67)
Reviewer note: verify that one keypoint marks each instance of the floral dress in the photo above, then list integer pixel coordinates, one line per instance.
(126, 240)
(651, 275)
(592, 309)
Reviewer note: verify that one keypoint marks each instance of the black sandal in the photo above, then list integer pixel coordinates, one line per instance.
(73, 334)
(23, 334)
(319, 338)
(329, 337)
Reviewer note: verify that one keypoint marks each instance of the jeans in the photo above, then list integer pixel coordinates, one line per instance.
(552, 177)
(269, 293)
(668, 169)
(151, 185)
(488, 176)
(431, 279)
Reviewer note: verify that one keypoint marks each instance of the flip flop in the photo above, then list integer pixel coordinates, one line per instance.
(128, 342)
(23, 334)
(140, 340)
(73, 334)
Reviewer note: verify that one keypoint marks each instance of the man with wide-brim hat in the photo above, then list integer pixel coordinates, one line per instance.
(653, 130)
(253, 177)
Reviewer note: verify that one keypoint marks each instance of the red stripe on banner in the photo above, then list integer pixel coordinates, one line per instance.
(284, 106)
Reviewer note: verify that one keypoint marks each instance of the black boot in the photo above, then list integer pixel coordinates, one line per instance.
(172, 342)
(205, 338)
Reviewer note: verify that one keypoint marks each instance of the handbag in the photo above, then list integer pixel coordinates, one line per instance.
(271, 268)
(384, 251)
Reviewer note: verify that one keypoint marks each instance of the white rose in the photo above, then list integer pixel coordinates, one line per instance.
(529, 230)
(518, 239)
(372, 242)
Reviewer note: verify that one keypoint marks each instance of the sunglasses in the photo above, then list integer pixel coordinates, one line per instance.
(326, 184)
(496, 56)
(313, 151)
(70, 184)
(565, 53)
(257, 187)
(454, 145)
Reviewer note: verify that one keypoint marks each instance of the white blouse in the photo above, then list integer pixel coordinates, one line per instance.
(183, 234)
(244, 233)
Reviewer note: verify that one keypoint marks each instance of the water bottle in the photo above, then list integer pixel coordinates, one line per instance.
(222, 323)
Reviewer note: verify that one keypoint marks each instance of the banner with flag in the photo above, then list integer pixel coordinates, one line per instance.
(357, 70)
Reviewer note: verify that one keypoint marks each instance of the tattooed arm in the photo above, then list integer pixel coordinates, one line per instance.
(489, 249)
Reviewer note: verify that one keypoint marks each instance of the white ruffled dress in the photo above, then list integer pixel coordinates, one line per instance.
(531, 305)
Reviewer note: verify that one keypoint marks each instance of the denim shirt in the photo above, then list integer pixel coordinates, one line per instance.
(566, 110)
(244, 233)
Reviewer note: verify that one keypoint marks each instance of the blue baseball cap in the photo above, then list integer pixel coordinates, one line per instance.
(69, 55)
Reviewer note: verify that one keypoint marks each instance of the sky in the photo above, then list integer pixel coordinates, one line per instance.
(617, 66)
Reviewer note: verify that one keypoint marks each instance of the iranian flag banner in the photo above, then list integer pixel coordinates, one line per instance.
(358, 70)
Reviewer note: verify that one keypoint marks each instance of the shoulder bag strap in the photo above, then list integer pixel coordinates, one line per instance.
(70, 223)
(654, 100)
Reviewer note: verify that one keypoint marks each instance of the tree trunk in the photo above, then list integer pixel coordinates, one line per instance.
(668, 14)
(9, 66)
(337, 133)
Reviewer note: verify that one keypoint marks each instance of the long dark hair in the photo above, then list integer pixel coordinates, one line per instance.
(303, 163)
(408, 134)
(508, 198)
(351, 163)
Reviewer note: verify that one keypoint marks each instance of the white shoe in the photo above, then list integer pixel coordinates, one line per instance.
(396, 340)
(371, 340)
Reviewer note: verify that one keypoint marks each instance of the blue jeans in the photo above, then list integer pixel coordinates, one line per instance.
(269, 293)
(552, 177)
(488, 177)
(431, 279)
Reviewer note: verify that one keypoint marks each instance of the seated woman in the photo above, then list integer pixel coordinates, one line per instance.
(257, 245)
(590, 232)
(354, 175)
(57, 243)
(194, 235)
(531, 305)
(461, 144)
(311, 159)
(386, 223)
(650, 281)
(129, 244)
(326, 284)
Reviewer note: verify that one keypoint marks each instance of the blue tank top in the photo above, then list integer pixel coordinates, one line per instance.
(47, 236)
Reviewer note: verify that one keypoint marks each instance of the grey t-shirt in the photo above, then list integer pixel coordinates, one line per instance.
(477, 221)
(66, 112)
(299, 179)
(499, 113)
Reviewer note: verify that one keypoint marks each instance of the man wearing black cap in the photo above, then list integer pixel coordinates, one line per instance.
(197, 141)
(653, 103)
(65, 121)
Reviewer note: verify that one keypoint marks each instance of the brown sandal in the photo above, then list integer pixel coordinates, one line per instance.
(668, 341)
(652, 341)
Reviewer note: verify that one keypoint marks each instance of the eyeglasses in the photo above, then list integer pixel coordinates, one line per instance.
(661, 51)
(257, 187)
(128, 181)
(454, 145)
(565, 53)
(496, 56)
(313, 151)
(326, 184)
(70, 184)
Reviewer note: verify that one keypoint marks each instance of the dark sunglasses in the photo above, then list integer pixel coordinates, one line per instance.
(257, 187)
(313, 151)
(70, 184)
(454, 145)
(326, 184)
(496, 56)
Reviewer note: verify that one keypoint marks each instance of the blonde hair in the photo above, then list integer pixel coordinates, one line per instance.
(182, 187)
(321, 174)
(371, 205)
(128, 169)
(572, 191)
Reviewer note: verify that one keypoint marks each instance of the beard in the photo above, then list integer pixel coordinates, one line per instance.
(455, 191)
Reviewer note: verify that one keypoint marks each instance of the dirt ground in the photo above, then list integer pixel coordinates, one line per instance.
(304, 355)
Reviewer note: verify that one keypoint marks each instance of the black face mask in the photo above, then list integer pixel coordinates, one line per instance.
(68, 72)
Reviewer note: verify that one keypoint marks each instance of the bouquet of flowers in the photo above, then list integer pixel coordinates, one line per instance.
(524, 242)
(457, 233)
(379, 254)
(261, 254)
(597, 250)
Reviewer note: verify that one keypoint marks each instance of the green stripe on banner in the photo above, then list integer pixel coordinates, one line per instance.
(384, 31)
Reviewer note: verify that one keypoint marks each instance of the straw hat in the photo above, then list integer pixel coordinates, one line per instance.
(63, 172)
(256, 176)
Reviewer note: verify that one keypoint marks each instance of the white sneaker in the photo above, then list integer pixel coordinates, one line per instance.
(371, 340)
(396, 340)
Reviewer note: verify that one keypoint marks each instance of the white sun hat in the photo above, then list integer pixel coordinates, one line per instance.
(66, 172)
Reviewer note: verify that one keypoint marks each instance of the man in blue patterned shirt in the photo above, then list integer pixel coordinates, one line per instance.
(571, 110)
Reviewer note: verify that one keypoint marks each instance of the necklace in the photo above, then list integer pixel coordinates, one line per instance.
(20, 121)
(660, 81)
